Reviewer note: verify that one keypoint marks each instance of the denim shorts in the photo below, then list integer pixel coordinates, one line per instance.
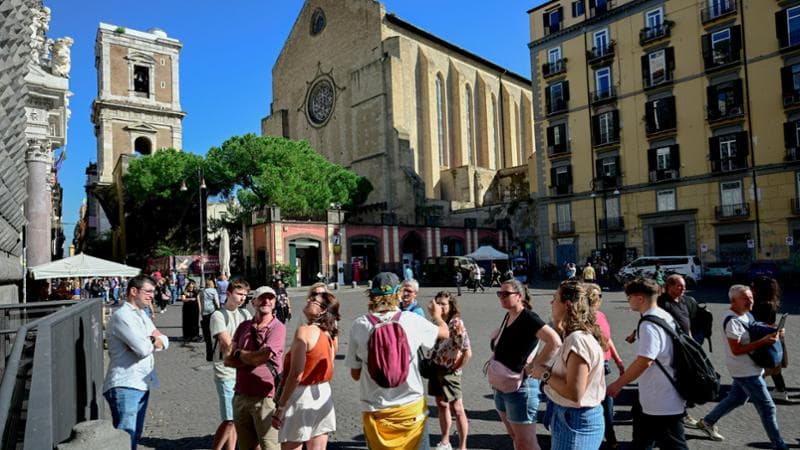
(225, 395)
(576, 427)
(519, 406)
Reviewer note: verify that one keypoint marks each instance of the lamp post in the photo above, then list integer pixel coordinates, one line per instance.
(200, 187)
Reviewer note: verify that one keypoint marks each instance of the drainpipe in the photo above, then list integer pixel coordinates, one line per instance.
(591, 152)
(750, 129)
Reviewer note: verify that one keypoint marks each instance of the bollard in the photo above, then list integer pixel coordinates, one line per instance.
(96, 435)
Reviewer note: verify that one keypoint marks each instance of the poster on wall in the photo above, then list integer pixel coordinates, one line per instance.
(191, 264)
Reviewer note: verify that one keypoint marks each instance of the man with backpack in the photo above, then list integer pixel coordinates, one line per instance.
(658, 415)
(223, 325)
(748, 382)
(384, 344)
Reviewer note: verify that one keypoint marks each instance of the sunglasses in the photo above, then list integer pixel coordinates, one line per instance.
(503, 294)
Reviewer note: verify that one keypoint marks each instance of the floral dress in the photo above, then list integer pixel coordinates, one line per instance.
(447, 351)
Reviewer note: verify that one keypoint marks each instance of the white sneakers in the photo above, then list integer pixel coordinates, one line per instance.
(443, 446)
(711, 431)
(781, 396)
(690, 422)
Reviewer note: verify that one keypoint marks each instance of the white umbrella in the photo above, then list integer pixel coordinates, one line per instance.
(224, 252)
(82, 265)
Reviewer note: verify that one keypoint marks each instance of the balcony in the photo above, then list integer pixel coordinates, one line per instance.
(557, 106)
(554, 68)
(612, 223)
(734, 112)
(728, 164)
(608, 182)
(722, 9)
(791, 99)
(732, 211)
(795, 206)
(664, 175)
(604, 96)
(721, 58)
(792, 154)
(561, 189)
(600, 8)
(655, 81)
(554, 151)
(652, 131)
(600, 54)
(563, 228)
(648, 35)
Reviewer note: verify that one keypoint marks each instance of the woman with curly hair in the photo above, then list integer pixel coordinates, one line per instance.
(304, 412)
(766, 308)
(575, 384)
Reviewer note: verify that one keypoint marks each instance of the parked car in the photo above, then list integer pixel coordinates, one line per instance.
(441, 271)
(688, 266)
(720, 271)
(762, 268)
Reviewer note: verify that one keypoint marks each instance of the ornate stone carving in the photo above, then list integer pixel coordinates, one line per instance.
(60, 64)
(38, 152)
(39, 27)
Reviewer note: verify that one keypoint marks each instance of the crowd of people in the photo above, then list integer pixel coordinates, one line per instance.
(399, 346)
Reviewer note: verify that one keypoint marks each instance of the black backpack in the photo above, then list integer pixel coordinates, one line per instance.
(695, 378)
(705, 323)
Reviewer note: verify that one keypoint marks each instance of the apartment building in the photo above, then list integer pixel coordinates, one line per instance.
(666, 127)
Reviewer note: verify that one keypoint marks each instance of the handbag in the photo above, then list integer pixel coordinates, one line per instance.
(499, 375)
(427, 368)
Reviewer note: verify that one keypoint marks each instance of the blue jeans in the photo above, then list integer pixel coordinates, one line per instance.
(573, 428)
(128, 407)
(174, 295)
(754, 388)
(521, 405)
(225, 395)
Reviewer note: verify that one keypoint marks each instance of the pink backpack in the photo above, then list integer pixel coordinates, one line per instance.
(388, 355)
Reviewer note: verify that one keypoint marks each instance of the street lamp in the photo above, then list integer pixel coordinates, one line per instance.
(200, 189)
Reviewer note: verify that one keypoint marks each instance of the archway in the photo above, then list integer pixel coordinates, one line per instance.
(452, 246)
(413, 254)
(305, 256)
(143, 146)
(364, 263)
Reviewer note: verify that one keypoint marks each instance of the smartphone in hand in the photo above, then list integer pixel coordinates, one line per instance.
(782, 321)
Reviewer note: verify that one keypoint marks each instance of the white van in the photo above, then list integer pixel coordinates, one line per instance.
(688, 266)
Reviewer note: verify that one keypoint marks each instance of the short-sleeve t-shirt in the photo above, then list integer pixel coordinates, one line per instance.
(420, 333)
(258, 381)
(739, 366)
(218, 325)
(582, 345)
(602, 321)
(656, 393)
(518, 340)
(447, 351)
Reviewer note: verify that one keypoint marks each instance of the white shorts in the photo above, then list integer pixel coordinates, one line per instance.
(309, 412)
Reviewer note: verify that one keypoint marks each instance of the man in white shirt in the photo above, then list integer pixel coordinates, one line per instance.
(748, 382)
(658, 418)
(393, 417)
(132, 339)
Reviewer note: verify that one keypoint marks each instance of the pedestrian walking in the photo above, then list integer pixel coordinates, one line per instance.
(283, 307)
(223, 325)
(766, 308)
(575, 384)
(449, 356)
(258, 359)
(458, 278)
(513, 346)
(162, 295)
(748, 383)
(132, 339)
(222, 288)
(658, 414)
(305, 412)
(190, 313)
(588, 273)
(391, 391)
(475, 279)
(209, 304)
(495, 276)
(408, 273)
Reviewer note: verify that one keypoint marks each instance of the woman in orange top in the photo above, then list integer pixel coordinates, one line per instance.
(304, 411)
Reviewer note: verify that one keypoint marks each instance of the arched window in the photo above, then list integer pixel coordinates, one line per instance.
(440, 119)
(143, 146)
(493, 136)
(468, 118)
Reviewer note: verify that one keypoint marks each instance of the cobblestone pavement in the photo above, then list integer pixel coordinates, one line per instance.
(183, 412)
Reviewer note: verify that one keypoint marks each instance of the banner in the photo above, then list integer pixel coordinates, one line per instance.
(191, 264)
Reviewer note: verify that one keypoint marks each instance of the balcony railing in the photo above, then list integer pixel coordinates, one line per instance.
(717, 9)
(561, 189)
(557, 106)
(650, 129)
(600, 8)
(715, 115)
(791, 99)
(795, 206)
(792, 154)
(732, 211)
(722, 58)
(604, 96)
(598, 54)
(608, 182)
(728, 164)
(554, 68)
(557, 150)
(663, 175)
(612, 223)
(560, 228)
(652, 34)
(652, 81)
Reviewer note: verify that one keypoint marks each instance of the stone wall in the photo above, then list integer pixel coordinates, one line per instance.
(15, 27)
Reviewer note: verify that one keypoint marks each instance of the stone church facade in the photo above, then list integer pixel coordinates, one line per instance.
(443, 135)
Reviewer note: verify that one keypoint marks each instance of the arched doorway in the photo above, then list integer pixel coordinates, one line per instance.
(305, 255)
(143, 146)
(412, 251)
(452, 246)
(364, 263)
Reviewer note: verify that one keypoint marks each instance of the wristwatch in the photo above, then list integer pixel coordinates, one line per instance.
(545, 377)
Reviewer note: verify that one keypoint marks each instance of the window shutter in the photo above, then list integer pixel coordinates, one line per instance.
(592, 4)
(738, 93)
(787, 84)
(646, 69)
(669, 56)
(780, 28)
(649, 116)
(675, 156)
(711, 94)
(598, 168)
(742, 145)
(789, 135)
(560, 18)
(550, 137)
(574, 9)
(546, 22)
(713, 148)
(615, 121)
(736, 41)
(651, 160)
(595, 130)
(563, 134)
(671, 116)
(706, 44)
(569, 175)
(553, 177)
(565, 90)
(547, 105)
(617, 168)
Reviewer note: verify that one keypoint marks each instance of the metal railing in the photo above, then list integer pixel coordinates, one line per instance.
(654, 33)
(560, 228)
(597, 54)
(732, 211)
(53, 376)
(717, 9)
(612, 223)
(554, 68)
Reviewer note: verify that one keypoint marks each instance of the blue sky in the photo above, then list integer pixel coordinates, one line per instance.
(229, 49)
